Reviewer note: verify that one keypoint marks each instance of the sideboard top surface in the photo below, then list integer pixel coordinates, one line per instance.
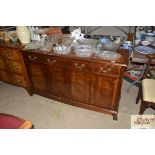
(123, 61)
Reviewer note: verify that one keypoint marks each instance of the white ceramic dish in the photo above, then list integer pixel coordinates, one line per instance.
(145, 43)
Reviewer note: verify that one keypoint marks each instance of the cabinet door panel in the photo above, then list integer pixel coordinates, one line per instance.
(79, 85)
(2, 64)
(57, 80)
(104, 92)
(37, 77)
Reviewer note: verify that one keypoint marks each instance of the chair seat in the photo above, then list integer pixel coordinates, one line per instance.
(148, 87)
(8, 121)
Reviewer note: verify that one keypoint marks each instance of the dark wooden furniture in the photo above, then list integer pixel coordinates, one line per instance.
(12, 68)
(147, 88)
(91, 83)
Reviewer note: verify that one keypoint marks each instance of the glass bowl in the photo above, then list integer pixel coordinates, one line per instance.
(62, 49)
(108, 55)
(110, 46)
(83, 50)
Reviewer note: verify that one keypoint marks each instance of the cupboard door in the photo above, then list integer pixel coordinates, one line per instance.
(57, 80)
(104, 91)
(79, 85)
(2, 64)
(37, 77)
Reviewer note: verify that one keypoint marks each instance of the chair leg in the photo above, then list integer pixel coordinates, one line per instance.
(143, 106)
(139, 95)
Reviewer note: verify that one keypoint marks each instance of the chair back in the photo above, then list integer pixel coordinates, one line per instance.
(149, 67)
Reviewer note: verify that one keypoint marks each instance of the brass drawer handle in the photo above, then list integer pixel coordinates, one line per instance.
(79, 66)
(32, 58)
(51, 61)
(15, 67)
(103, 70)
(8, 53)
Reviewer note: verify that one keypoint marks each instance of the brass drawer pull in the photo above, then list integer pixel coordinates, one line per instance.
(79, 66)
(15, 67)
(51, 61)
(8, 54)
(103, 70)
(32, 58)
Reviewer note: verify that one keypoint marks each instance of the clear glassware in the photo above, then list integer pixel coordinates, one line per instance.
(63, 45)
(83, 50)
(108, 55)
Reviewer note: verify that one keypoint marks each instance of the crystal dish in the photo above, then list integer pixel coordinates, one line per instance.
(83, 51)
(62, 49)
(145, 50)
(32, 45)
(108, 55)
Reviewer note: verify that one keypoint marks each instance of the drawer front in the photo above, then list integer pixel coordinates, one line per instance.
(55, 61)
(33, 57)
(80, 65)
(18, 80)
(106, 69)
(4, 76)
(14, 66)
(11, 54)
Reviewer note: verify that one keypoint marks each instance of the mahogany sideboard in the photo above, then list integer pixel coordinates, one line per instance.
(91, 83)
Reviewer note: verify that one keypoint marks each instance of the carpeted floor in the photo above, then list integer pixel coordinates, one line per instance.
(48, 114)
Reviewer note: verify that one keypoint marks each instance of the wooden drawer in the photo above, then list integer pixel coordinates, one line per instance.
(11, 54)
(55, 61)
(5, 76)
(14, 66)
(33, 57)
(80, 65)
(18, 80)
(105, 69)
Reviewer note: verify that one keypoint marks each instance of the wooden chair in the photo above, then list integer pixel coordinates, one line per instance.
(147, 88)
(8, 121)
